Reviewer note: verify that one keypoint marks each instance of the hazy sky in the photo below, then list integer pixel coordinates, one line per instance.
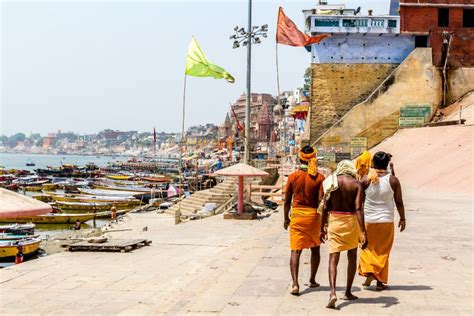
(85, 66)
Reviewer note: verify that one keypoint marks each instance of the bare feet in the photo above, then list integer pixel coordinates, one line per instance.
(368, 280)
(313, 284)
(295, 290)
(381, 286)
(332, 302)
(349, 297)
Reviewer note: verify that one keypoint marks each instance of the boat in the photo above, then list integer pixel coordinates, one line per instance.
(8, 236)
(9, 248)
(50, 187)
(84, 206)
(54, 218)
(118, 193)
(159, 179)
(118, 177)
(18, 229)
(118, 202)
(30, 163)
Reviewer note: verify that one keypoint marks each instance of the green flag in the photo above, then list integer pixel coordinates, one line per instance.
(198, 65)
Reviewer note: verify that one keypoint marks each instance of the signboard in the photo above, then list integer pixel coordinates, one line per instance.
(343, 156)
(357, 151)
(359, 142)
(327, 156)
(411, 121)
(415, 111)
(331, 140)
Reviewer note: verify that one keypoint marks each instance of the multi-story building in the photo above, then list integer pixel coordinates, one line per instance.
(346, 67)
(259, 102)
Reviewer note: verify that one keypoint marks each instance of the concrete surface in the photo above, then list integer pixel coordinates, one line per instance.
(241, 267)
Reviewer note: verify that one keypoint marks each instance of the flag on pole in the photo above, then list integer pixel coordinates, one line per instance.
(288, 33)
(197, 64)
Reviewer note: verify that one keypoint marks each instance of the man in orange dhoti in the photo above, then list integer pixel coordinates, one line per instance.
(382, 193)
(344, 217)
(303, 194)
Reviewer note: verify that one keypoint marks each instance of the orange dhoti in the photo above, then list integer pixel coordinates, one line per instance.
(374, 258)
(343, 232)
(304, 228)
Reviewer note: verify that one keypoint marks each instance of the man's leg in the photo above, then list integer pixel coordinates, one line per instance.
(294, 267)
(315, 258)
(333, 261)
(351, 270)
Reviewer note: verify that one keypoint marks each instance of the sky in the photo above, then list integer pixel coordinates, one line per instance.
(85, 66)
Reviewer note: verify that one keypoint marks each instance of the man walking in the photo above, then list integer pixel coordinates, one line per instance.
(344, 217)
(382, 193)
(303, 193)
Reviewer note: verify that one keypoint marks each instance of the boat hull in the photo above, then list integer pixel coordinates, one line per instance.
(53, 218)
(9, 248)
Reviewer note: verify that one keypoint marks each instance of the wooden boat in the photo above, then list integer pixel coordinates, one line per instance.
(7, 236)
(30, 163)
(9, 248)
(18, 229)
(53, 218)
(84, 206)
(96, 192)
(50, 187)
(134, 189)
(159, 179)
(32, 188)
(118, 202)
(118, 177)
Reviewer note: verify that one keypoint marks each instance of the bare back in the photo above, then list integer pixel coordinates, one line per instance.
(348, 197)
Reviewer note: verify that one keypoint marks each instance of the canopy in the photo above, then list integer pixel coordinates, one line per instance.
(241, 169)
(16, 205)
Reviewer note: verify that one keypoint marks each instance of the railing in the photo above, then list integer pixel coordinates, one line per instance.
(227, 206)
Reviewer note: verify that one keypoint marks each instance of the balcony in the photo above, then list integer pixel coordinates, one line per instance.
(354, 24)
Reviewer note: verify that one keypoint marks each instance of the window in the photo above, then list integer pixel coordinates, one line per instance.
(443, 17)
(468, 18)
(421, 41)
(392, 23)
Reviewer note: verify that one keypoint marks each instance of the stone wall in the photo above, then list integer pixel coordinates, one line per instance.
(460, 82)
(336, 88)
(415, 82)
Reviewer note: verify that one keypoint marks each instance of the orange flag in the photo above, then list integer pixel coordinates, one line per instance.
(288, 34)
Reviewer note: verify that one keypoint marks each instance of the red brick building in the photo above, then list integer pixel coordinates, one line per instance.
(445, 25)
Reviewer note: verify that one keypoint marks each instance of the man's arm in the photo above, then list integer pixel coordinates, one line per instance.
(359, 210)
(287, 205)
(324, 220)
(397, 195)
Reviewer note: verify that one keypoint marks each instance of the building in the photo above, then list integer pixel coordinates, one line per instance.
(49, 141)
(445, 25)
(346, 67)
(258, 101)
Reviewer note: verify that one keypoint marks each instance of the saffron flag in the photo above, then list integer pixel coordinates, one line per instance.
(288, 34)
(197, 64)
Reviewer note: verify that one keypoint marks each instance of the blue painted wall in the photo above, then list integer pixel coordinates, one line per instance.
(359, 49)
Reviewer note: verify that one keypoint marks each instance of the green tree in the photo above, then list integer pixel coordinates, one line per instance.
(307, 80)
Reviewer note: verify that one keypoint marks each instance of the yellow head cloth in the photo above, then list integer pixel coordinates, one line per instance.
(311, 160)
(363, 163)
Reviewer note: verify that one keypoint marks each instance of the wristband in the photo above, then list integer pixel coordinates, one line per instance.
(402, 219)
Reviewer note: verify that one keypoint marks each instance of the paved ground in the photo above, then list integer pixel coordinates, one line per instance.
(236, 267)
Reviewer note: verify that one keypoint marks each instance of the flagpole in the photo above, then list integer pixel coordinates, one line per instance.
(278, 95)
(177, 215)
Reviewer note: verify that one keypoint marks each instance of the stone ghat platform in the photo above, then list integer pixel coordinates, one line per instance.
(217, 266)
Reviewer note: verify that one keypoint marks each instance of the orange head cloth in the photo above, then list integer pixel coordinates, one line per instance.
(311, 160)
(363, 163)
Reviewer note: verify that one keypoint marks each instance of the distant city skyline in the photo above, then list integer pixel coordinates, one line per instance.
(86, 66)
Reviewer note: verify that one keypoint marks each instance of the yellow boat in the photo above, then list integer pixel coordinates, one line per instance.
(50, 187)
(55, 218)
(10, 248)
(33, 188)
(84, 207)
(118, 177)
(118, 202)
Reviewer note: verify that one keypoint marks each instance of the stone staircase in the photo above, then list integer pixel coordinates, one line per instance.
(219, 194)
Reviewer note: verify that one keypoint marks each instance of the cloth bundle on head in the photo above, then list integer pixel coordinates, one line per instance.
(363, 163)
(345, 167)
(330, 184)
(312, 161)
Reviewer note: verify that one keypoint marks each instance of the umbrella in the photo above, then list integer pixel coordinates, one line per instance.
(241, 170)
(16, 205)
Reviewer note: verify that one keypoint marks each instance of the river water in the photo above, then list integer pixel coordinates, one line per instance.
(18, 161)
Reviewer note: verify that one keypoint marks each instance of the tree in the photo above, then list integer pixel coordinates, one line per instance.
(307, 80)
